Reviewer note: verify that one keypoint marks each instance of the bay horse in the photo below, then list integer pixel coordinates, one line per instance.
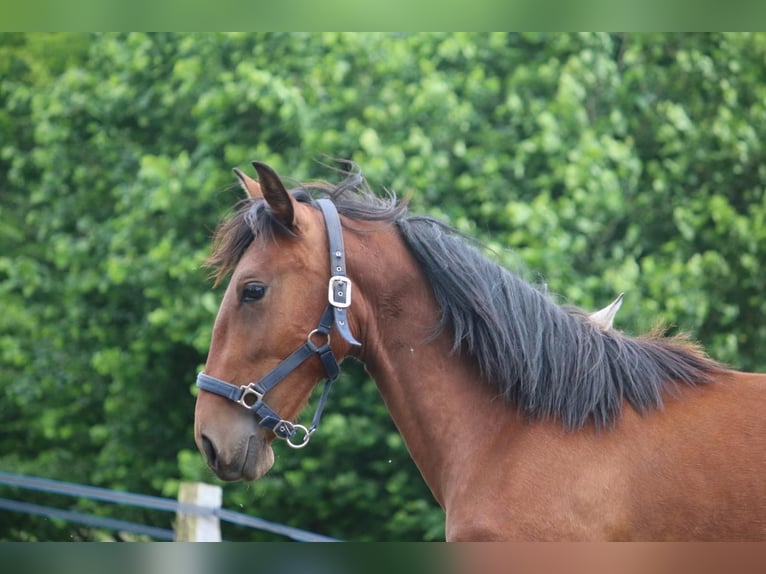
(527, 419)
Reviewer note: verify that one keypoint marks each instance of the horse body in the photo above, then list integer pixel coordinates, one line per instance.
(650, 478)
(502, 469)
(692, 470)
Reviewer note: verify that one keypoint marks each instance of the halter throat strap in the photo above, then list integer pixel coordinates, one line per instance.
(251, 396)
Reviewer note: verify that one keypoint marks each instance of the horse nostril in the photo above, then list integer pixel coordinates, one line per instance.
(209, 450)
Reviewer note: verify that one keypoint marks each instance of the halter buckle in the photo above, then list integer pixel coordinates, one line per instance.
(339, 291)
(249, 396)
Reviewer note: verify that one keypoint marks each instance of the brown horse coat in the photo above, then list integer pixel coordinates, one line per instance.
(526, 420)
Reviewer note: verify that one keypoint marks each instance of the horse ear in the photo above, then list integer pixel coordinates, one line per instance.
(605, 317)
(251, 186)
(275, 194)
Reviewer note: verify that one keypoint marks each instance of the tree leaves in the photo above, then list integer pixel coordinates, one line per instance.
(606, 162)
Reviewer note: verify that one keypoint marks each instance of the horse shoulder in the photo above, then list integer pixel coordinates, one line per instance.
(694, 469)
(545, 484)
(697, 468)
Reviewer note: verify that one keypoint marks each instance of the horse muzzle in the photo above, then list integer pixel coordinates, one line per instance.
(232, 444)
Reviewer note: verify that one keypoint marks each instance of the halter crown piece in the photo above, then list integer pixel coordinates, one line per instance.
(317, 343)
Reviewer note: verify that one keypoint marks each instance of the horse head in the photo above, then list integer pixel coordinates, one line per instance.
(276, 251)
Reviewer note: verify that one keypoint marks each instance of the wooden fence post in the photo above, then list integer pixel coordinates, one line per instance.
(192, 527)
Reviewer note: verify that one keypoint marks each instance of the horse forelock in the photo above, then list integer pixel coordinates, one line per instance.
(253, 219)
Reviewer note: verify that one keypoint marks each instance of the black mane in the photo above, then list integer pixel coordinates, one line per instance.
(548, 360)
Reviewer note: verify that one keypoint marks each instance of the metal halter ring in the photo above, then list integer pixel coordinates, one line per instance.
(295, 430)
(317, 332)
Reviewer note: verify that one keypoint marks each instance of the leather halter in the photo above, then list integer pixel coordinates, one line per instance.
(251, 396)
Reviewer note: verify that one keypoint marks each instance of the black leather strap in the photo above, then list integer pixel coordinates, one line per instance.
(339, 292)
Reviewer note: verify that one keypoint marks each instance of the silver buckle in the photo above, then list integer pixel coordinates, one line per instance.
(249, 396)
(339, 291)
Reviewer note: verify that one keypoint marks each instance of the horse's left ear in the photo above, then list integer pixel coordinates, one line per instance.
(604, 318)
(275, 194)
(251, 186)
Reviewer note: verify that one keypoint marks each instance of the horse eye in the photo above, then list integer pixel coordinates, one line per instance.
(253, 292)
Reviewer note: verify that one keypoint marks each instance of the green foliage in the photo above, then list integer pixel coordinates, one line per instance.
(598, 163)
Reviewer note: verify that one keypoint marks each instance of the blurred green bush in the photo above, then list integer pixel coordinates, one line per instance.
(595, 163)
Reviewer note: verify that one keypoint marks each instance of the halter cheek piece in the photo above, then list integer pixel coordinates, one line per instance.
(317, 343)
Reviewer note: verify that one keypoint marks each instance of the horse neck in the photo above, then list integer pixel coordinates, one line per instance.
(435, 397)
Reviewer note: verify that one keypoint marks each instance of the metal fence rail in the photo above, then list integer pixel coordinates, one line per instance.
(137, 500)
(86, 519)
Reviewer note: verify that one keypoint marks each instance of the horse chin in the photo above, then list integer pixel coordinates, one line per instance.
(253, 461)
(258, 461)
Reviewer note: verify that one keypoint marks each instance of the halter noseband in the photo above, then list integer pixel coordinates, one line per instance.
(317, 342)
